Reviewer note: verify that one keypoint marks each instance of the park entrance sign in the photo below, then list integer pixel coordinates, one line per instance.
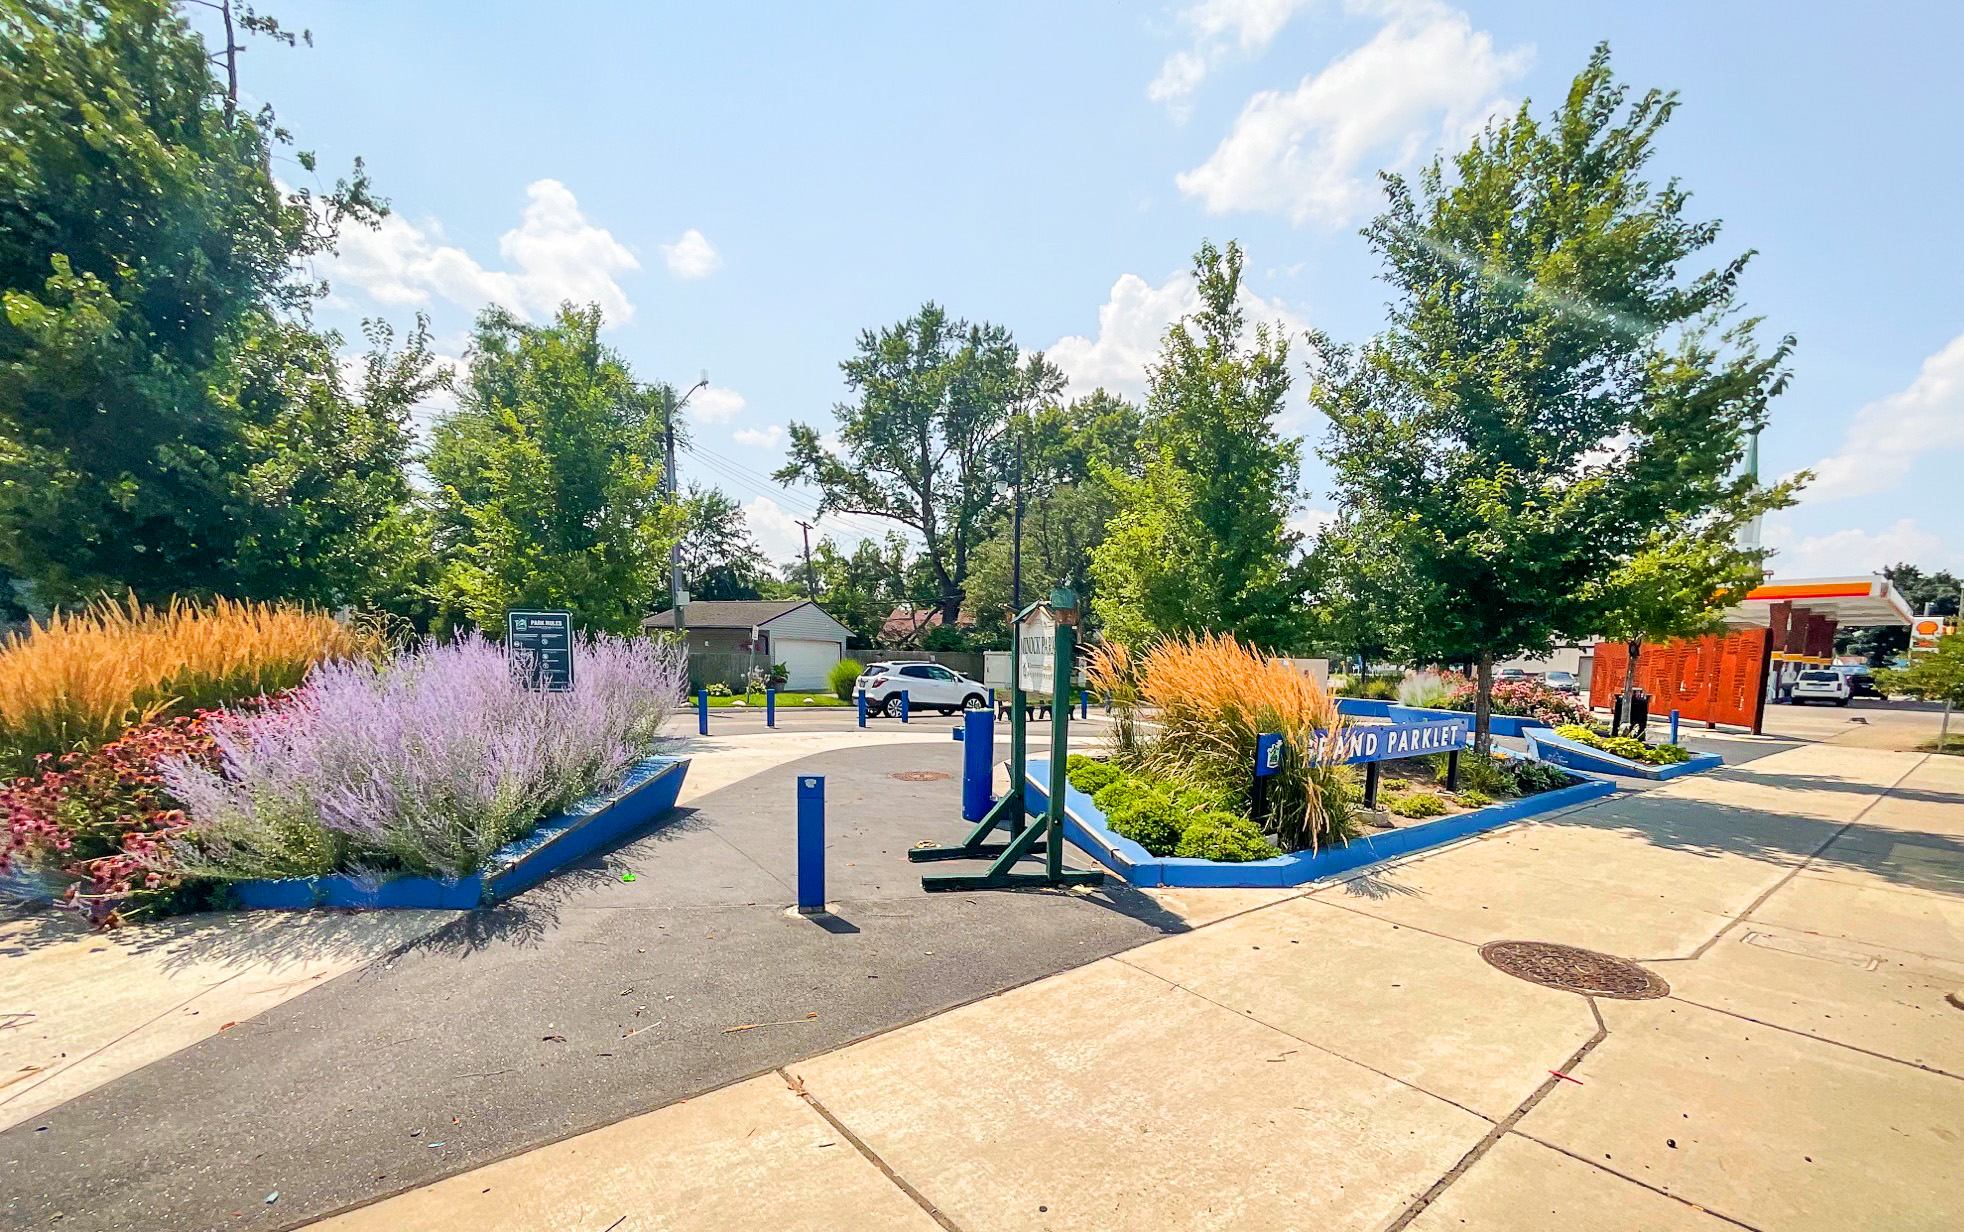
(1036, 648)
(1365, 743)
(540, 648)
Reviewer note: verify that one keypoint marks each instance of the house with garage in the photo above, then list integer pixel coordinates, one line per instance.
(726, 638)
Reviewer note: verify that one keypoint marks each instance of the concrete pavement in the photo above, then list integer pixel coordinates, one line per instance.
(1344, 1058)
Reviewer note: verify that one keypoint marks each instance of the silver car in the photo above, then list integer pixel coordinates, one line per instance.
(929, 686)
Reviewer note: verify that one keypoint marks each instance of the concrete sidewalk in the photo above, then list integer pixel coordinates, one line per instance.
(1345, 1059)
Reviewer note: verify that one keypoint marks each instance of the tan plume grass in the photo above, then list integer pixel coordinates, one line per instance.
(81, 678)
(1212, 696)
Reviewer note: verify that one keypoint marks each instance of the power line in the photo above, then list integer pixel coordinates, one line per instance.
(759, 485)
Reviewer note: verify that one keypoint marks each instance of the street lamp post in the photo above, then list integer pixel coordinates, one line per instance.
(672, 405)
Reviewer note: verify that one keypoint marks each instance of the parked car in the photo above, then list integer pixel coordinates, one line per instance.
(1861, 683)
(929, 686)
(1822, 685)
(1507, 675)
(1564, 682)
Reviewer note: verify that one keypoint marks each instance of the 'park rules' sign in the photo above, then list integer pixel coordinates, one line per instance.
(540, 646)
(1368, 742)
(1036, 645)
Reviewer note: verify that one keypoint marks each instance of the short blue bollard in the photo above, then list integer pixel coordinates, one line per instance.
(978, 737)
(1083, 704)
(702, 711)
(903, 705)
(811, 844)
(1674, 727)
(1108, 703)
(770, 707)
(861, 695)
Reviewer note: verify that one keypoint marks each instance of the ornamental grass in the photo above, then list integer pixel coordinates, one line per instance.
(80, 680)
(1212, 696)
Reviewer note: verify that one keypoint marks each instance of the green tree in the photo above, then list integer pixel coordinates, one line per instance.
(720, 559)
(1936, 676)
(1200, 541)
(1557, 385)
(143, 246)
(548, 478)
(860, 588)
(927, 443)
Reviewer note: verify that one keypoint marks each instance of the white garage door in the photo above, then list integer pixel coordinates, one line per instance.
(807, 662)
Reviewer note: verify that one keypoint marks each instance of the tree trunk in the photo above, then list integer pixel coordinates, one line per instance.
(1483, 706)
(1635, 647)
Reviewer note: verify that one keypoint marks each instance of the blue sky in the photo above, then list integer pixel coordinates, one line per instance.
(745, 188)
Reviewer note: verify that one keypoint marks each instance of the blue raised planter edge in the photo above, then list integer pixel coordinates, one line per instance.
(1574, 755)
(649, 790)
(1085, 825)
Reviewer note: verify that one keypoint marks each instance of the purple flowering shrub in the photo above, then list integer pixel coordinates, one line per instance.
(424, 763)
(1526, 698)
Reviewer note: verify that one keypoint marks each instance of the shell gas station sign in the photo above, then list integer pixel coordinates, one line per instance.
(1924, 632)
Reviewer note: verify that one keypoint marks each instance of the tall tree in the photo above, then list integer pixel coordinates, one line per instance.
(927, 443)
(548, 478)
(1557, 386)
(858, 588)
(143, 246)
(1200, 542)
(720, 559)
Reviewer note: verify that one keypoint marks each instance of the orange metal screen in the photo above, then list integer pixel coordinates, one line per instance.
(1720, 678)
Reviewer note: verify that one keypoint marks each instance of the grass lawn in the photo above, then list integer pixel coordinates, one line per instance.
(794, 701)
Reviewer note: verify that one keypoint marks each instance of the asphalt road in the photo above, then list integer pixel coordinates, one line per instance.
(586, 1001)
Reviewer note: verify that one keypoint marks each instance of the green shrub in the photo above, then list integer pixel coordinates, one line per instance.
(844, 674)
(1415, 804)
(1151, 820)
(1627, 747)
(1471, 798)
(1118, 793)
(1491, 775)
(1531, 778)
(719, 689)
(1089, 775)
(1226, 837)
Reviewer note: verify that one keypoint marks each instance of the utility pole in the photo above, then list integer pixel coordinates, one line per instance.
(1016, 534)
(671, 404)
(811, 587)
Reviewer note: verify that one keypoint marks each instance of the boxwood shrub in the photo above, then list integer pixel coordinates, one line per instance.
(1227, 837)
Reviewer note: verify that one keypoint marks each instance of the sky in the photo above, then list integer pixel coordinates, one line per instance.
(743, 189)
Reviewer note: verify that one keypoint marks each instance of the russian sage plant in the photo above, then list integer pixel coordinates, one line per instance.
(424, 763)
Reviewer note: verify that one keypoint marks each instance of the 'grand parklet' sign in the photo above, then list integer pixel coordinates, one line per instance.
(1389, 741)
(1036, 648)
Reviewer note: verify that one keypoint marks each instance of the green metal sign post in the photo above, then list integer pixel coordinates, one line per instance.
(1042, 640)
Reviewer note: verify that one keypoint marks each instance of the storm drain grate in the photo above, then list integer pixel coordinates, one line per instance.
(918, 776)
(1573, 969)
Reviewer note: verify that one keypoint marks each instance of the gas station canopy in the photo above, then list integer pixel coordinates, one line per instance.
(1847, 601)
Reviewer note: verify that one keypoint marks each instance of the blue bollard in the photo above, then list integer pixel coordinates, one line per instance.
(1108, 703)
(1674, 727)
(770, 707)
(978, 736)
(1083, 704)
(861, 695)
(702, 711)
(811, 845)
(903, 705)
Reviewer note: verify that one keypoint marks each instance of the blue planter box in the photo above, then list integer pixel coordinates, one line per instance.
(1574, 755)
(649, 791)
(1085, 825)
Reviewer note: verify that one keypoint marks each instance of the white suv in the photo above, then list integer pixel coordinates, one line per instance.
(1821, 685)
(929, 686)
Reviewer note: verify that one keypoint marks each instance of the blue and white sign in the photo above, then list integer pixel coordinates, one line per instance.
(1367, 742)
(1268, 754)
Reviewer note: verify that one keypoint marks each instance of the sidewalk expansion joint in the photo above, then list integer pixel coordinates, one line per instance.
(1801, 867)
(1774, 1026)
(1494, 1135)
(859, 1144)
(1638, 1182)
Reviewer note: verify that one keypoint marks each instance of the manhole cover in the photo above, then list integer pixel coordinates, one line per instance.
(918, 776)
(1573, 969)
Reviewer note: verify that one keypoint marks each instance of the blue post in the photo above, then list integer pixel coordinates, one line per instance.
(861, 695)
(903, 705)
(1084, 703)
(1108, 703)
(1674, 727)
(702, 711)
(811, 845)
(978, 737)
(770, 707)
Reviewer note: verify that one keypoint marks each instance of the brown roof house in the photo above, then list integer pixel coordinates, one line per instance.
(732, 632)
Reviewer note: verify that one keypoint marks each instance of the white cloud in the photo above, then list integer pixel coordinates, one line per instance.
(1425, 78)
(692, 256)
(1310, 522)
(555, 253)
(1890, 434)
(1853, 551)
(715, 404)
(1216, 25)
(775, 530)
(759, 438)
(1131, 323)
